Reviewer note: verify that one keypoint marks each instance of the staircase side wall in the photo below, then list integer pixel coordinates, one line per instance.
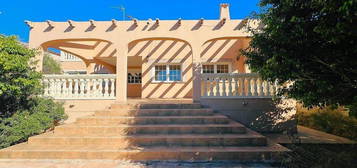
(259, 114)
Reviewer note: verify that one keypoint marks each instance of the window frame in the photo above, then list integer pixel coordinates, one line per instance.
(167, 73)
(215, 64)
(138, 78)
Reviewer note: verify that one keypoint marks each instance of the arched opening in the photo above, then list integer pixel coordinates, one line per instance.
(83, 56)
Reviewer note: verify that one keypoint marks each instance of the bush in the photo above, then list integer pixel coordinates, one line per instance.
(44, 114)
(331, 120)
(18, 80)
(50, 66)
(22, 112)
(353, 108)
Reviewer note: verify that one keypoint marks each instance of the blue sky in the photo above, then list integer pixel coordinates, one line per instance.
(14, 12)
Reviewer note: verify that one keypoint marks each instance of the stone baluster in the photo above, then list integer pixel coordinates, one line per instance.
(249, 88)
(58, 88)
(46, 87)
(88, 90)
(236, 88)
(96, 88)
(242, 84)
(268, 89)
(81, 88)
(260, 87)
(112, 88)
(230, 89)
(224, 93)
(100, 88)
(76, 88)
(255, 86)
(106, 87)
(70, 88)
(217, 86)
(52, 88)
(64, 87)
(211, 86)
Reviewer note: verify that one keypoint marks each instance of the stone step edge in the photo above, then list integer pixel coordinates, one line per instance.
(74, 125)
(173, 149)
(134, 110)
(154, 117)
(154, 136)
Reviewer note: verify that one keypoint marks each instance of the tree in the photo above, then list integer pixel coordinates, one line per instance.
(22, 112)
(311, 43)
(50, 66)
(18, 80)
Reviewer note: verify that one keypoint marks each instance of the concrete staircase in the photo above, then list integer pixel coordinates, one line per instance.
(149, 131)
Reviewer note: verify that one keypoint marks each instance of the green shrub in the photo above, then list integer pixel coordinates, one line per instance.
(44, 114)
(22, 112)
(353, 108)
(18, 80)
(50, 66)
(331, 120)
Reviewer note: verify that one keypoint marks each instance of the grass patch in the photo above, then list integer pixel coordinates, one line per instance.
(331, 120)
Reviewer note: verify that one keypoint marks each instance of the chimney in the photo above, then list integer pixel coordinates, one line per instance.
(224, 12)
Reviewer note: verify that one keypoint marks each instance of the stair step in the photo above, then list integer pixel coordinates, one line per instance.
(157, 106)
(251, 154)
(114, 120)
(155, 112)
(150, 140)
(72, 129)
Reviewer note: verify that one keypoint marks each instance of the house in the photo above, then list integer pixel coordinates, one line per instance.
(165, 80)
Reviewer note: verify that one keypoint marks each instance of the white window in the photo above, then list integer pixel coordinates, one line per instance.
(167, 73)
(216, 68)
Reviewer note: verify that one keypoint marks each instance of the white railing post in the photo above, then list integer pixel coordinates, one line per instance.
(211, 86)
(217, 86)
(242, 82)
(112, 88)
(70, 88)
(230, 89)
(236, 90)
(224, 93)
(106, 87)
(81, 88)
(46, 87)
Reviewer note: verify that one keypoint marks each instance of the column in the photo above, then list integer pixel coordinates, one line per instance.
(122, 72)
(196, 65)
(90, 67)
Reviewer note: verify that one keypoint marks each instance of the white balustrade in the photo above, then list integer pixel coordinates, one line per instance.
(236, 85)
(67, 57)
(101, 86)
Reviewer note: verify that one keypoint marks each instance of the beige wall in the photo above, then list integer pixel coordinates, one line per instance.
(164, 51)
(170, 51)
(225, 50)
(73, 66)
